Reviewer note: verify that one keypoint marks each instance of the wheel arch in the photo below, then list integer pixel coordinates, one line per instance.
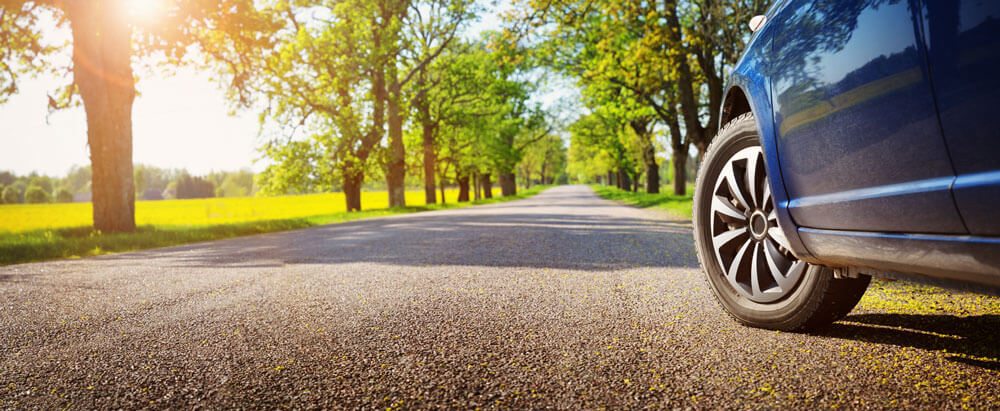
(748, 91)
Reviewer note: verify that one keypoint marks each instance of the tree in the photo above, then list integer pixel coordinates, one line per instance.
(546, 159)
(233, 184)
(194, 187)
(326, 74)
(419, 42)
(78, 179)
(64, 196)
(11, 195)
(36, 195)
(151, 182)
(660, 59)
(463, 106)
(104, 42)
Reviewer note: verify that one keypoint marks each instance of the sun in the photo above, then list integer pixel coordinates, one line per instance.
(144, 10)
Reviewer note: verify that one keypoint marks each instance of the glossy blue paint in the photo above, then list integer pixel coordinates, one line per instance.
(874, 120)
(749, 77)
(978, 196)
(961, 258)
(963, 43)
(854, 110)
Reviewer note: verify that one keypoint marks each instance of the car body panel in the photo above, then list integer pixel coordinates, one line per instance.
(963, 45)
(748, 77)
(834, 66)
(944, 253)
(965, 259)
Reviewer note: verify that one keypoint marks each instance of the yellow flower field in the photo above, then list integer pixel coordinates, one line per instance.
(20, 218)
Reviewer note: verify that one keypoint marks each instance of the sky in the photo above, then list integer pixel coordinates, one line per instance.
(179, 121)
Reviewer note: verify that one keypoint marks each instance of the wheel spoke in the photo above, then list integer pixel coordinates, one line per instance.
(778, 236)
(771, 271)
(751, 178)
(737, 261)
(772, 254)
(724, 238)
(755, 270)
(796, 270)
(722, 206)
(734, 186)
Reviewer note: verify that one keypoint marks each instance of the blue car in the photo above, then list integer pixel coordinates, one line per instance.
(857, 139)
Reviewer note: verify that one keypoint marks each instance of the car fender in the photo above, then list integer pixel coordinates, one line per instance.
(748, 79)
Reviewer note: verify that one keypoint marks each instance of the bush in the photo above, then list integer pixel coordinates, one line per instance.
(194, 187)
(64, 196)
(36, 195)
(11, 195)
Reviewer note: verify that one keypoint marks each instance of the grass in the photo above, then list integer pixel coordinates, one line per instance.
(679, 206)
(54, 231)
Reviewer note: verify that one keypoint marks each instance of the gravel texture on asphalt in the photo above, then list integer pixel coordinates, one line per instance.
(562, 300)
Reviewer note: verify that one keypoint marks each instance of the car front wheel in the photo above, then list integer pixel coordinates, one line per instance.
(744, 252)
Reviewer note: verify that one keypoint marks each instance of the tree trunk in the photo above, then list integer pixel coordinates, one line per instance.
(475, 186)
(652, 170)
(611, 178)
(680, 172)
(430, 159)
(352, 189)
(463, 188)
(690, 104)
(508, 184)
(624, 180)
(396, 175)
(443, 190)
(102, 72)
(487, 185)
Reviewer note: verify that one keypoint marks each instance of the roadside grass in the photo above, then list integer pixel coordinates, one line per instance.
(187, 221)
(679, 206)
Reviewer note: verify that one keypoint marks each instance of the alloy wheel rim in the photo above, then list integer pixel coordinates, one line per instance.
(749, 246)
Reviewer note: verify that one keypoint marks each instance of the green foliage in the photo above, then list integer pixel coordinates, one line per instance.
(679, 206)
(44, 182)
(297, 168)
(545, 159)
(11, 195)
(233, 184)
(194, 187)
(36, 195)
(78, 179)
(64, 196)
(6, 178)
(151, 182)
(645, 66)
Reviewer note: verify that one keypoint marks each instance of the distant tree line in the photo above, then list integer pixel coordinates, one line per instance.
(151, 183)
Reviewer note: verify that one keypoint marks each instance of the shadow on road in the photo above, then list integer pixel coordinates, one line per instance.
(516, 237)
(970, 340)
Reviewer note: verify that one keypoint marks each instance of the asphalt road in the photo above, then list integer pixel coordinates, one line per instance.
(561, 300)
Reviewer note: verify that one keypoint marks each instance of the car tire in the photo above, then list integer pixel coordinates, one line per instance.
(745, 255)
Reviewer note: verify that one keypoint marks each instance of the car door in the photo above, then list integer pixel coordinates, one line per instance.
(963, 44)
(859, 143)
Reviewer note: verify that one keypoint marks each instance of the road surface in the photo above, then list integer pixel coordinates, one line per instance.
(563, 300)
